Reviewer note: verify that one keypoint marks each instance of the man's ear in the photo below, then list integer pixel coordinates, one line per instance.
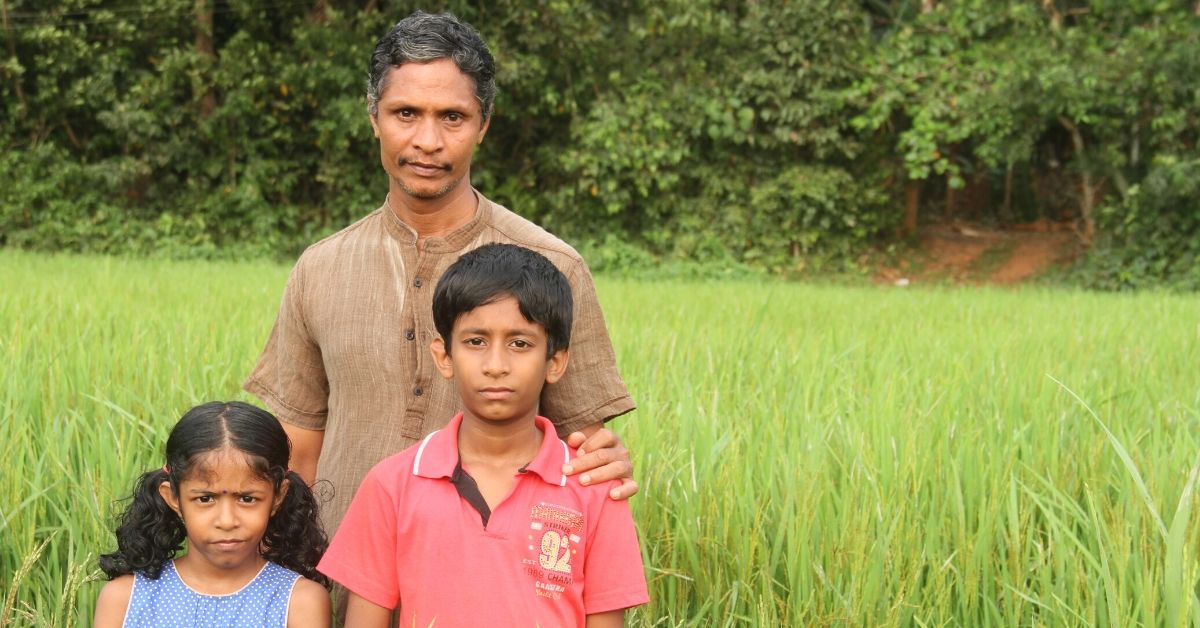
(557, 365)
(374, 118)
(483, 130)
(168, 495)
(441, 358)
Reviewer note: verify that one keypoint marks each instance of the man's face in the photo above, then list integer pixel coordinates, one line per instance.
(428, 125)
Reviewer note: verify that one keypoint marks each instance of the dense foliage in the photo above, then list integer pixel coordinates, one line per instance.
(778, 135)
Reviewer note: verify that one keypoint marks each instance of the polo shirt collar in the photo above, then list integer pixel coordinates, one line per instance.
(437, 455)
(454, 241)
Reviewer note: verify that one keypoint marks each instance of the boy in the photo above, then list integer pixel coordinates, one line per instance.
(476, 523)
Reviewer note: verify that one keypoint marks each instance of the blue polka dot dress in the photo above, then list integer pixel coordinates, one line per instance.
(169, 603)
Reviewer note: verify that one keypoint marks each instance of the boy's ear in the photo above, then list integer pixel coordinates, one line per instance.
(442, 359)
(556, 366)
(168, 495)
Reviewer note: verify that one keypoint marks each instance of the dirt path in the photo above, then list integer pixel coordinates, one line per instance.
(975, 255)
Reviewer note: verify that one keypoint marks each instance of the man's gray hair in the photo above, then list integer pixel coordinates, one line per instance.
(424, 37)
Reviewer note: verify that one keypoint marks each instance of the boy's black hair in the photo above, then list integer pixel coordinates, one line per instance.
(495, 271)
(151, 533)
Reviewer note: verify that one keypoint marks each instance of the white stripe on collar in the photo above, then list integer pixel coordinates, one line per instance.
(421, 450)
(566, 459)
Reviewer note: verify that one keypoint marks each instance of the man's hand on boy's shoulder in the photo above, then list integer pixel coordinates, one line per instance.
(601, 457)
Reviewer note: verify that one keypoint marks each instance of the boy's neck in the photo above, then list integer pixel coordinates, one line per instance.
(498, 444)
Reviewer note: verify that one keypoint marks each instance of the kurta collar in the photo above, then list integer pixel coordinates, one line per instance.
(454, 241)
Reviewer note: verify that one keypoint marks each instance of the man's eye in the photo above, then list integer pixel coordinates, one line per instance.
(405, 113)
(454, 117)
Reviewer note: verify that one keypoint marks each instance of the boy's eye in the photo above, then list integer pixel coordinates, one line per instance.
(522, 344)
(474, 342)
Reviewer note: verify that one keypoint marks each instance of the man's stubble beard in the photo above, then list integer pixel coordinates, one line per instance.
(429, 196)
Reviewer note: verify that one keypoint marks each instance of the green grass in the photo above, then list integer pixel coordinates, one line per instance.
(808, 455)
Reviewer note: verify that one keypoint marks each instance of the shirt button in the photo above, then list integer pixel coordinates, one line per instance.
(410, 335)
(418, 391)
(417, 282)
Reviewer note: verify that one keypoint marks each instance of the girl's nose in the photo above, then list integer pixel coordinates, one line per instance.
(226, 516)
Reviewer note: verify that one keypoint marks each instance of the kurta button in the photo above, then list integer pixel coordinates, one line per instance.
(417, 282)
(410, 335)
(418, 391)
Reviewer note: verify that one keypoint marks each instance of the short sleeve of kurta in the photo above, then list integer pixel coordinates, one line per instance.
(591, 391)
(290, 375)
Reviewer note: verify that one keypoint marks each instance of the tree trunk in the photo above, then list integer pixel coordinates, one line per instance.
(912, 202)
(12, 53)
(951, 192)
(319, 13)
(1006, 210)
(1087, 200)
(204, 46)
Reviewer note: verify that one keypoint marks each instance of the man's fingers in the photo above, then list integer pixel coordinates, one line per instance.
(628, 488)
(600, 439)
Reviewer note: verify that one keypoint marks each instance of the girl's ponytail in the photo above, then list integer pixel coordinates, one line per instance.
(294, 538)
(150, 532)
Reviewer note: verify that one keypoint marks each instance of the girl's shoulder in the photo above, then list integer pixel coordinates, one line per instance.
(309, 605)
(113, 601)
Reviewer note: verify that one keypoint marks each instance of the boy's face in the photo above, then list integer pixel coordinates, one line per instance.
(498, 362)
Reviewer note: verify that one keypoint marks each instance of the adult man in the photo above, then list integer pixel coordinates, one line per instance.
(347, 367)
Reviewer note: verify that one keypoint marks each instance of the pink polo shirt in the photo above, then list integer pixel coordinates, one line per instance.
(552, 553)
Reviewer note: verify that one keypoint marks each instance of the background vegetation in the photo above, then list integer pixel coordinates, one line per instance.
(851, 456)
(780, 135)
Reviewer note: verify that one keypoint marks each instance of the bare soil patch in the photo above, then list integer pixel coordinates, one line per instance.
(970, 254)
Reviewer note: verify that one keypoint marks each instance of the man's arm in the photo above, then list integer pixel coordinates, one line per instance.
(306, 450)
(601, 458)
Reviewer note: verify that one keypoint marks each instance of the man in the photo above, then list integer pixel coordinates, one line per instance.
(347, 367)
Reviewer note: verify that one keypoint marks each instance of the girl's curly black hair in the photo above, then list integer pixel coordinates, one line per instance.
(150, 533)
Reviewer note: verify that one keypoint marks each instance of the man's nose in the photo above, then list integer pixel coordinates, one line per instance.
(427, 137)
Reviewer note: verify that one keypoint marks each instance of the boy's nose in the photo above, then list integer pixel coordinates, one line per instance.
(496, 362)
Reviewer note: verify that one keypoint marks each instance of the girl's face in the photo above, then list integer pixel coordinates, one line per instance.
(225, 507)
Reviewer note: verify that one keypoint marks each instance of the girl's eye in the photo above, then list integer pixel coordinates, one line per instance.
(205, 499)
(248, 499)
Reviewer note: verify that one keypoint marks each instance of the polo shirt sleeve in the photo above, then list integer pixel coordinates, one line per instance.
(613, 574)
(362, 554)
(290, 375)
(591, 391)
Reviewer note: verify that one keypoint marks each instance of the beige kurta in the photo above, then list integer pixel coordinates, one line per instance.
(349, 352)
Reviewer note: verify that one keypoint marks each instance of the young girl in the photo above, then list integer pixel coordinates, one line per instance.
(251, 526)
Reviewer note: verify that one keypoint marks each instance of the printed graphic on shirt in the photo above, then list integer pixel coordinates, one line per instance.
(554, 538)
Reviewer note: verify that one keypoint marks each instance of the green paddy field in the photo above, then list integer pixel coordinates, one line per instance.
(808, 455)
